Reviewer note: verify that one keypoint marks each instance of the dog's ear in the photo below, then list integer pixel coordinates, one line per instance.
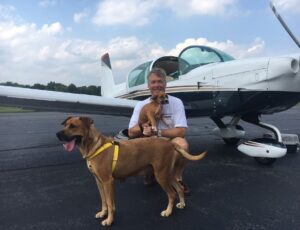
(64, 122)
(87, 121)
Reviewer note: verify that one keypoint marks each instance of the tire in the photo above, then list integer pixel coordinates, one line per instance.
(233, 141)
(292, 148)
(265, 161)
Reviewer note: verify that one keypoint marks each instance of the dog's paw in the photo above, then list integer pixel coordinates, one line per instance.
(180, 205)
(101, 214)
(106, 222)
(166, 213)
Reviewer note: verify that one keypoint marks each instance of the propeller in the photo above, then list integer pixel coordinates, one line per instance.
(284, 24)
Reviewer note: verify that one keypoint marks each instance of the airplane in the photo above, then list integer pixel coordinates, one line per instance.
(210, 83)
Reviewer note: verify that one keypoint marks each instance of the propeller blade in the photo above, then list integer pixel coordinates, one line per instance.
(284, 24)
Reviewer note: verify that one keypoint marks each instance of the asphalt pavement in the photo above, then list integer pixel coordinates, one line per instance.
(44, 187)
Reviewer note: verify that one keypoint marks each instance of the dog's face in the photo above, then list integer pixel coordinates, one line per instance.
(162, 98)
(75, 129)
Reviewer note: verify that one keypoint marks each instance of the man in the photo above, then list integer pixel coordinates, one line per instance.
(173, 115)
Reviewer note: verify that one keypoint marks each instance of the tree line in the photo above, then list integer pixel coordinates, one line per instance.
(53, 86)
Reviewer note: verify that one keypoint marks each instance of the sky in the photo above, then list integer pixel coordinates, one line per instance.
(63, 40)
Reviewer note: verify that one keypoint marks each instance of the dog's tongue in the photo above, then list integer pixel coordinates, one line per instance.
(69, 146)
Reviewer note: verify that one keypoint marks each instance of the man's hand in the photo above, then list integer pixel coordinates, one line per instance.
(147, 130)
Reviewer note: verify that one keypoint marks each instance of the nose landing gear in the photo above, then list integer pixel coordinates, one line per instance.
(264, 150)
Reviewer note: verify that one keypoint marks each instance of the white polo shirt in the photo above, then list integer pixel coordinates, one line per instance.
(173, 113)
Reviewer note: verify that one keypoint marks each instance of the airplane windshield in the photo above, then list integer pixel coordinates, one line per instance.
(195, 56)
(138, 76)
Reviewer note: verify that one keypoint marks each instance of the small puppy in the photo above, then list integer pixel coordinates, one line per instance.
(108, 160)
(152, 112)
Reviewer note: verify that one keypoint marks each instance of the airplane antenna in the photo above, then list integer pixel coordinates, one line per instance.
(284, 24)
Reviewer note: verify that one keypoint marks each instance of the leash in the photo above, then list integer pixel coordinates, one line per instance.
(104, 147)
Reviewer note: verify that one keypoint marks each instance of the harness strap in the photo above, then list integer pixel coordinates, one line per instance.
(116, 156)
(104, 147)
(100, 150)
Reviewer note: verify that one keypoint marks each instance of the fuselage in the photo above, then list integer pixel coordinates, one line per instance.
(262, 85)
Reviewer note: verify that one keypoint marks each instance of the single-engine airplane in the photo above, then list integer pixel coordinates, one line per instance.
(209, 82)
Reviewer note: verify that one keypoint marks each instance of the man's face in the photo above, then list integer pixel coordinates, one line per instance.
(156, 84)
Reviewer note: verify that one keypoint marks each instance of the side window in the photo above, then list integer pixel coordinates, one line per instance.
(138, 75)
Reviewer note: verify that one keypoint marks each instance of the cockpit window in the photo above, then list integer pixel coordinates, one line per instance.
(138, 76)
(195, 56)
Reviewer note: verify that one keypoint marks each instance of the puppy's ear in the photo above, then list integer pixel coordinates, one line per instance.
(87, 121)
(64, 122)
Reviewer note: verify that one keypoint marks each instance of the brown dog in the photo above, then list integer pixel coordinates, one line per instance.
(107, 164)
(152, 112)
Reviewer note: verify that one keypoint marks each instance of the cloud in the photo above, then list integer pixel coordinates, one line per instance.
(236, 50)
(31, 54)
(8, 14)
(77, 17)
(128, 52)
(120, 12)
(52, 29)
(48, 3)
(201, 7)
(256, 48)
(39, 54)
(287, 5)
(141, 12)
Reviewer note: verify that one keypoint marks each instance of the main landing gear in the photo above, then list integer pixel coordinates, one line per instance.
(231, 132)
(265, 150)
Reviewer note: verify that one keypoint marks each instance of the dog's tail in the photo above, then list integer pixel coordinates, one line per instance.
(188, 156)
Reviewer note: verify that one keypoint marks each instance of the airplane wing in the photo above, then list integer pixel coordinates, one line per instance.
(43, 100)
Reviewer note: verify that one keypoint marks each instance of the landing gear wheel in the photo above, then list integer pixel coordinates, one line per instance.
(233, 141)
(292, 148)
(265, 160)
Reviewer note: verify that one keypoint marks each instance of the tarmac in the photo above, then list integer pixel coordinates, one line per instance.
(44, 187)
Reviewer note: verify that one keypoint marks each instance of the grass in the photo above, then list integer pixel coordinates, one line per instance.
(4, 109)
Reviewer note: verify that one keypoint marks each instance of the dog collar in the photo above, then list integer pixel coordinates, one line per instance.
(164, 102)
(104, 147)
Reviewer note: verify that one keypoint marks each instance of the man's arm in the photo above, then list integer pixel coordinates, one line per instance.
(173, 132)
(135, 131)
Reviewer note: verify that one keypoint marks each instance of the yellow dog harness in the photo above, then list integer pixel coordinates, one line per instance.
(104, 147)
